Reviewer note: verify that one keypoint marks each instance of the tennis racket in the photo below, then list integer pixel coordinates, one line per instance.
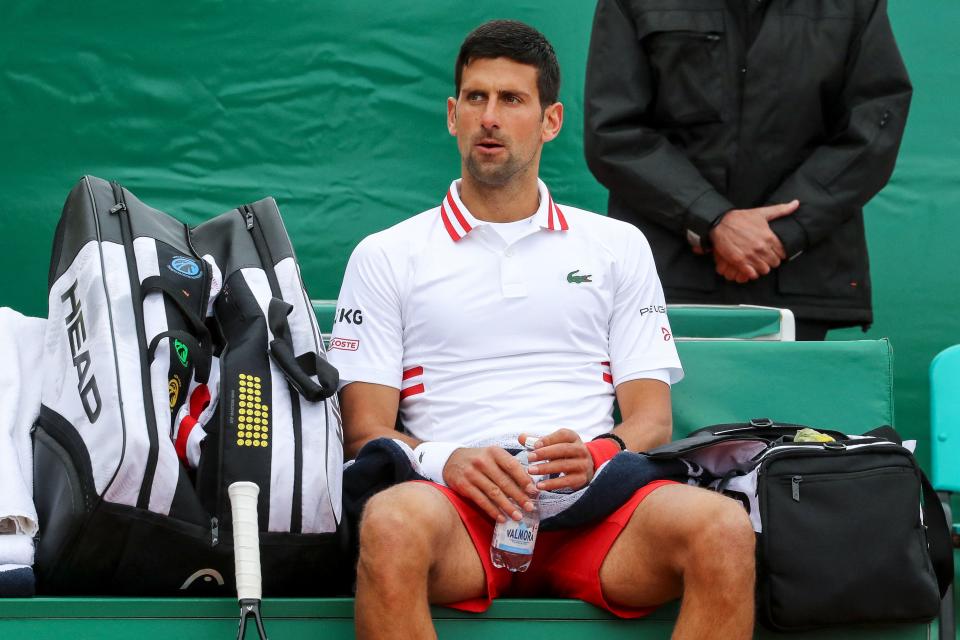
(246, 553)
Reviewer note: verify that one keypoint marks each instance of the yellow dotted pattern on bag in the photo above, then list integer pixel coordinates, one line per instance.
(253, 417)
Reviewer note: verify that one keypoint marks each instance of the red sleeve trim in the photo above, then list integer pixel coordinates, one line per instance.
(413, 372)
(412, 391)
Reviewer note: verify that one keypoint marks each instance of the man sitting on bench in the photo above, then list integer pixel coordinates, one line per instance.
(498, 313)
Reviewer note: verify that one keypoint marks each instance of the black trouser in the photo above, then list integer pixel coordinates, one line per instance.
(813, 329)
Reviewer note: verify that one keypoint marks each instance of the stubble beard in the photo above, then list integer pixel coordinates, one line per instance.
(493, 174)
(490, 174)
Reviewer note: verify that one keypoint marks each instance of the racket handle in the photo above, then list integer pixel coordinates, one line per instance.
(246, 539)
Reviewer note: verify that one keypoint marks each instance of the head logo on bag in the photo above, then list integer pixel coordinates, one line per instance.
(208, 575)
(183, 353)
(77, 336)
(186, 267)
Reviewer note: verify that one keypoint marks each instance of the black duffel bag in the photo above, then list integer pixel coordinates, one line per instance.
(850, 531)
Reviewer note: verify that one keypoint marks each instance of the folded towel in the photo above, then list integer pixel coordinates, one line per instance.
(21, 349)
(16, 548)
(17, 581)
(384, 462)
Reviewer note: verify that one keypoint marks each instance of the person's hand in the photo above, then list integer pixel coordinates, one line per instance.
(564, 453)
(744, 246)
(493, 479)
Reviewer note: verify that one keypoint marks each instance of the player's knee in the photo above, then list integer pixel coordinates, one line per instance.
(725, 541)
(392, 527)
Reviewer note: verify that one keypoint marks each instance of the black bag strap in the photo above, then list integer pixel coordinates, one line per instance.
(939, 542)
(296, 370)
(201, 364)
(765, 428)
(156, 283)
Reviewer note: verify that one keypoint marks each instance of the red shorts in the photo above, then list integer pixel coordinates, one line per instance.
(566, 564)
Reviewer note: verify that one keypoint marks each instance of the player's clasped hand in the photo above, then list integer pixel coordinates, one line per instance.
(561, 452)
(493, 479)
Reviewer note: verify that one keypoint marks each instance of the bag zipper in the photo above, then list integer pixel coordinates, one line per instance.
(826, 477)
(126, 232)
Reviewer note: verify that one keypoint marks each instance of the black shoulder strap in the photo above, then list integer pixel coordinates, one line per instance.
(939, 543)
(156, 283)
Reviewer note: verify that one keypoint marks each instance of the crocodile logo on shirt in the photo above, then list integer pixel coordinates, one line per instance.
(573, 278)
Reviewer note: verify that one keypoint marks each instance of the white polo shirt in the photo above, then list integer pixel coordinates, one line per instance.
(486, 337)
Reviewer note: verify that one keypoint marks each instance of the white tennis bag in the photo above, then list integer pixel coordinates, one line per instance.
(178, 361)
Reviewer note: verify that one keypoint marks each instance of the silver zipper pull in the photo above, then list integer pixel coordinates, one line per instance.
(795, 487)
(248, 214)
(117, 208)
(214, 532)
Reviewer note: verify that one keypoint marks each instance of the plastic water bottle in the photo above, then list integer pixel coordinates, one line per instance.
(513, 542)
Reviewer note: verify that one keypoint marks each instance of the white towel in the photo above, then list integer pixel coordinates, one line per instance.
(16, 548)
(21, 351)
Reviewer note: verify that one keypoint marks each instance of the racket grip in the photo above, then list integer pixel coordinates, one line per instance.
(246, 539)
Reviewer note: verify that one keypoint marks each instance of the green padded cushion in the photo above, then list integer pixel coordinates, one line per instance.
(844, 385)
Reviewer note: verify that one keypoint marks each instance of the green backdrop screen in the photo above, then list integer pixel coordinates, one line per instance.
(337, 110)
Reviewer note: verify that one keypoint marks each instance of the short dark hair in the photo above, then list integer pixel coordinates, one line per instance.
(518, 42)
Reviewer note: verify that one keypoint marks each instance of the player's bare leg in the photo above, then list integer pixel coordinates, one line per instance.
(689, 542)
(414, 550)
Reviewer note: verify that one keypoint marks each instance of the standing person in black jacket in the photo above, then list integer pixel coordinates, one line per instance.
(744, 138)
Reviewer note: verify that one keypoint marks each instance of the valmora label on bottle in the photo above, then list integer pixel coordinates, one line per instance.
(516, 537)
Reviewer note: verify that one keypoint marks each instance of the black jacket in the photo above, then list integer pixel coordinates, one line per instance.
(684, 122)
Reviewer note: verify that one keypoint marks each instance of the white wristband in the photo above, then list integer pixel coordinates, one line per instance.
(432, 458)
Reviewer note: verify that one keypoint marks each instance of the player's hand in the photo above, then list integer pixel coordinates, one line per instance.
(564, 453)
(493, 479)
(744, 246)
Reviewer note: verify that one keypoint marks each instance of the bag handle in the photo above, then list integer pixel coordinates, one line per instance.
(201, 364)
(762, 428)
(297, 371)
(156, 283)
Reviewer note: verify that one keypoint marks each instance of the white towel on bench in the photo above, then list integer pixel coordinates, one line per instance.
(16, 548)
(21, 351)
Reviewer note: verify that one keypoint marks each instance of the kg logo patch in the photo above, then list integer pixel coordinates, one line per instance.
(186, 267)
(183, 353)
(573, 278)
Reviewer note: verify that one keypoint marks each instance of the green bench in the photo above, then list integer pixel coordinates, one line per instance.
(847, 385)
(332, 619)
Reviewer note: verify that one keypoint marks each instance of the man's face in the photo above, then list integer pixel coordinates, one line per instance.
(498, 122)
